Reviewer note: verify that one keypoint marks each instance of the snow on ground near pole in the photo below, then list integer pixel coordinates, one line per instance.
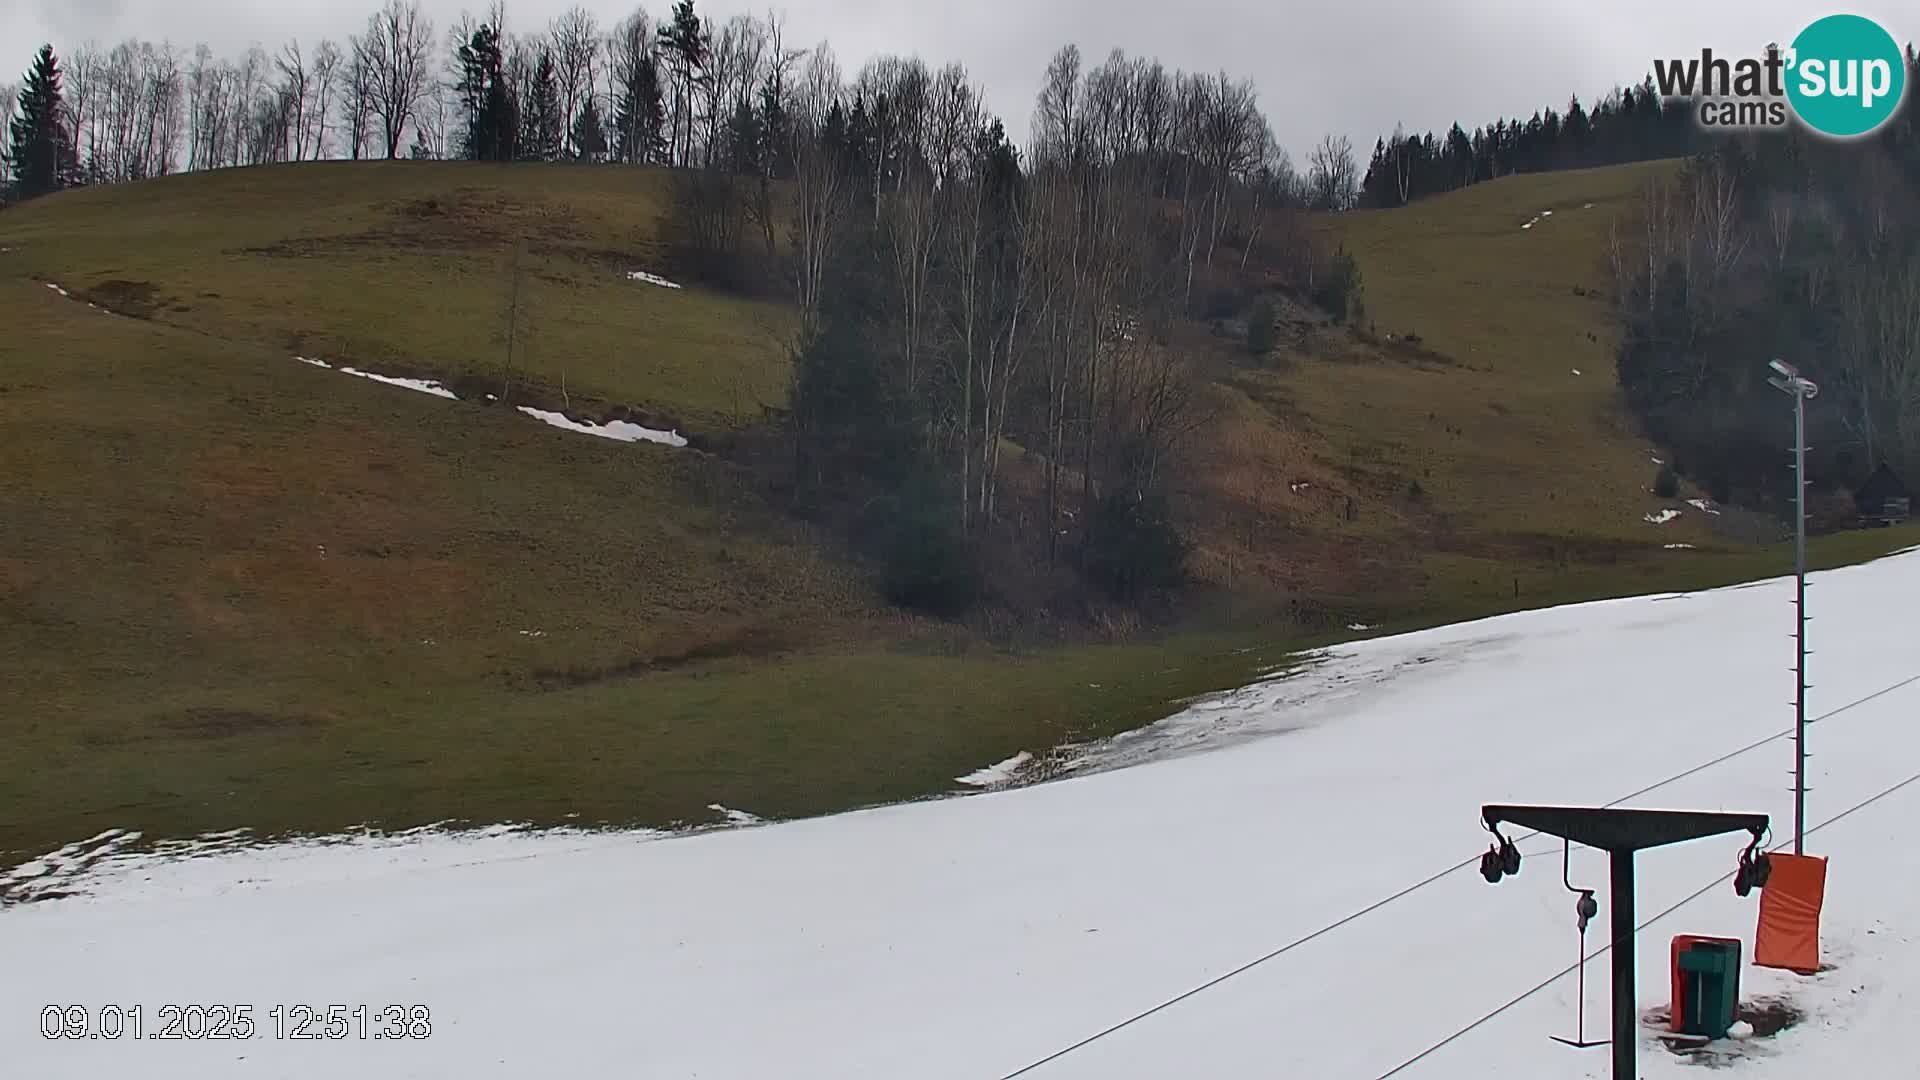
(651, 279)
(966, 938)
(618, 430)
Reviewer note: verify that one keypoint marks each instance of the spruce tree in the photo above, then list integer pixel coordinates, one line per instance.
(40, 150)
(744, 140)
(640, 119)
(483, 90)
(685, 41)
(589, 134)
(1575, 131)
(541, 128)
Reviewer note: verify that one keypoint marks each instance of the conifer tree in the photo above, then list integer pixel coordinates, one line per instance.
(541, 128)
(590, 134)
(40, 149)
(640, 118)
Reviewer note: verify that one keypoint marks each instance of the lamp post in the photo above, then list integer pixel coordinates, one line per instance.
(1788, 380)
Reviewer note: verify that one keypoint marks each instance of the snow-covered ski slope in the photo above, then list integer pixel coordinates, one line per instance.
(970, 937)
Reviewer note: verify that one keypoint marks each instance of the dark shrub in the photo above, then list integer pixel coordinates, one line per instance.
(1223, 302)
(1666, 483)
(927, 565)
(1260, 335)
(1135, 547)
(1338, 290)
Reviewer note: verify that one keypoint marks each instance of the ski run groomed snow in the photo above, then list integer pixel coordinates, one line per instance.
(970, 937)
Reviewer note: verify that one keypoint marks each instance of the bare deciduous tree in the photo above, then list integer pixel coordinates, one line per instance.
(296, 87)
(396, 52)
(820, 178)
(576, 51)
(326, 74)
(1334, 175)
(357, 96)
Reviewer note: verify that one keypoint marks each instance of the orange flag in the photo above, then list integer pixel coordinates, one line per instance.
(1789, 933)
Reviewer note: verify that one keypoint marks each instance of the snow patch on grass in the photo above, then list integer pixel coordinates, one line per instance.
(424, 386)
(1679, 547)
(1663, 516)
(651, 279)
(55, 874)
(112, 867)
(1705, 506)
(734, 817)
(996, 775)
(617, 430)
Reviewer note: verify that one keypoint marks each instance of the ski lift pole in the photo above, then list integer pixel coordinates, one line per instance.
(1788, 380)
(1620, 833)
(1800, 623)
(1585, 908)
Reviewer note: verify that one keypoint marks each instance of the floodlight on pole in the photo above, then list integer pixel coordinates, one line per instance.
(1789, 381)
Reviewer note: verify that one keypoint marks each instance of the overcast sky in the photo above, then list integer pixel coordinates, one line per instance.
(1355, 67)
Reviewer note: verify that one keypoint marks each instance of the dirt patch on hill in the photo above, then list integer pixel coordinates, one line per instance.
(217, 723)
(749, 643)
(206, 723)
(138, 299)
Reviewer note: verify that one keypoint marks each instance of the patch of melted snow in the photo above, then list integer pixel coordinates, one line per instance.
(996, 775)
(651, 279)
(617, 430)
(734, 817)
(1663, 516)
(425, 386)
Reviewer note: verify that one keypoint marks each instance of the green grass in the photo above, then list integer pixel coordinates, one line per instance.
(407, 268)
(1449, 444)
(240, 591)
(1533, 447)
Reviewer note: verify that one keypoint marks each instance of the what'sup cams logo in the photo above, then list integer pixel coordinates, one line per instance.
(1843, 76)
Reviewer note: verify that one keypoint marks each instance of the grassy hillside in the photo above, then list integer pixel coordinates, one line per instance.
(1470, 442)
(408, 267)
(236, 590)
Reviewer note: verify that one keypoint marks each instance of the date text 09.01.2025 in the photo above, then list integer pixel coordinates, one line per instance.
(325, 1023)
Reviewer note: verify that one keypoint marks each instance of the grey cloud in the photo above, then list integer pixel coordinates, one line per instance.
(1356, 67)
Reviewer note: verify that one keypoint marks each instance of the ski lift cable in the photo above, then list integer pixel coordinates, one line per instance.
(1704, 890)
(1423, 883)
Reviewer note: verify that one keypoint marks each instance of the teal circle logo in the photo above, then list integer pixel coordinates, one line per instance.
(1845, 76)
